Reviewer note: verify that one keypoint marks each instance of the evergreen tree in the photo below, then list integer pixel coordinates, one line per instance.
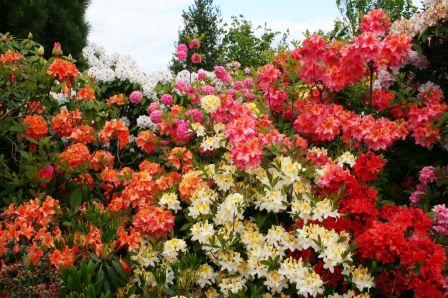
(352, 11)
(201, 20)
(49, 21)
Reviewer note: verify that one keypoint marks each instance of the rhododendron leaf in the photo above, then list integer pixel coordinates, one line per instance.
(119, 270)
(76, 198)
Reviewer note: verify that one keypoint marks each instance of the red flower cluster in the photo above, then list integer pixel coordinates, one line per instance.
(402, 235)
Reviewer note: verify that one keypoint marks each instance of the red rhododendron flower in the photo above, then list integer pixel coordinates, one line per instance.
(367, 166)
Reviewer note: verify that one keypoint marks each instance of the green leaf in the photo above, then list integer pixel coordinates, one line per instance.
(76, 198)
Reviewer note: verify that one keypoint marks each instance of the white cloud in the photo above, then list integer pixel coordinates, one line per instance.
(144, 29)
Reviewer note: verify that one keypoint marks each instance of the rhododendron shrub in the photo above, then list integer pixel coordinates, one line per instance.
(274, 182)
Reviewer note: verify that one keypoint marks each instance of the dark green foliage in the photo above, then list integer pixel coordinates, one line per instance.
(49, 21)
(203, 20)
(352, 12)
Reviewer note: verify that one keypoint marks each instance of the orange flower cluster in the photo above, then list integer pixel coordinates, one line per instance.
(115, 128)
(35, 107)
(140, 190)
(11, 57)
(146, 141)
(30, 223)
(65, 122)
(132, 238)
(180, 157)
(63, 71)
(190, 182)
(85, 93)
(83, 134)
(75, 155)
(92, 239)
(118, 100)
(62, 258)
(101, 159)
(37, 126)
(154, 221)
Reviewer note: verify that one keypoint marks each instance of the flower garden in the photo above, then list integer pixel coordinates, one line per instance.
(321, 174)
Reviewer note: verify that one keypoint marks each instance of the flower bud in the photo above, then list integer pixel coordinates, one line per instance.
(57, 50)
(40, 51)
(4, 38)
(30, 36)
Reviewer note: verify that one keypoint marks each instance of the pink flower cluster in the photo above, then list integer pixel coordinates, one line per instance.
(426, 176)
(440, 223)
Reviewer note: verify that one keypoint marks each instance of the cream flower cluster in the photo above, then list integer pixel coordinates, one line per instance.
(435, 11)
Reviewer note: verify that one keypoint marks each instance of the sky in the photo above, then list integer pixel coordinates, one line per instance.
(147, 29)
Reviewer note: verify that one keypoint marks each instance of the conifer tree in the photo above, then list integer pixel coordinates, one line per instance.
(201, 20)
(49, 21)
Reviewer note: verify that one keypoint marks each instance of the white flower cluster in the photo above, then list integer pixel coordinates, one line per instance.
(108, 68)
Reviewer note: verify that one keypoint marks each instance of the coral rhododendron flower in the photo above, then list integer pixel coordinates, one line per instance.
(63, 71)
(115, 128)
(75, 155)
(147, 141)
(36, 126)
(153, 221)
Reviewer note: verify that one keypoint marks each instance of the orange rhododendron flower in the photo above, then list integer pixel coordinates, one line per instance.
(180, 157)
(37, 127)
(64, 257)
(118, 129)
(154, 221)
(151, 167)
(131, 238)
(75, 155)
(85, 93)
(101, 159)
(11, 57)
(64, 122)
(83, 134)
(190, 182)
(118, 100)
(35, 253)
(35, 107)
(146, 141)
(63, 71)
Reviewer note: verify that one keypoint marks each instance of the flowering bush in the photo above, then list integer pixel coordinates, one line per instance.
(225, 184)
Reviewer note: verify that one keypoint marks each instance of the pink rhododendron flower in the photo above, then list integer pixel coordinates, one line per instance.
(196, 58)
(167, 99)
(195, 43)
(156, 116)
(135, 97)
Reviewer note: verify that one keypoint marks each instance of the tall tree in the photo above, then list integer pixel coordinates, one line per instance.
(203, 20)
(49, 21)
(352, 11)
(241, 43)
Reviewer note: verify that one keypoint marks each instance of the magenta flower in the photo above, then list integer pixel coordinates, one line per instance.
(156, 116)
(167, 99)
